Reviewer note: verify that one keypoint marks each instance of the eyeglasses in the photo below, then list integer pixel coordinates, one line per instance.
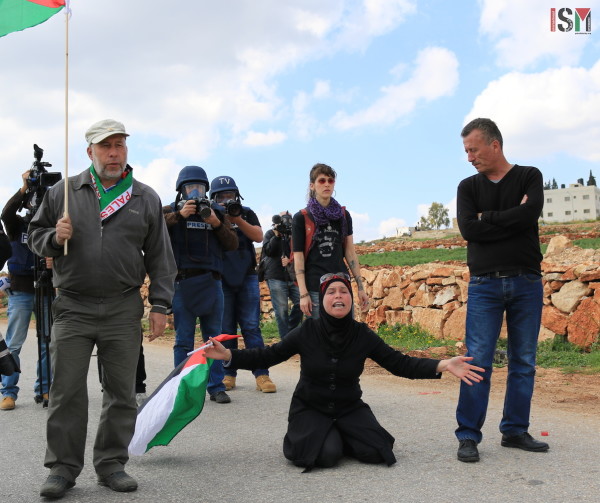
(328, 180)
(334, 275)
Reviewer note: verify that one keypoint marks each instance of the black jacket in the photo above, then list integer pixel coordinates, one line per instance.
(275, 247)
(329, 391)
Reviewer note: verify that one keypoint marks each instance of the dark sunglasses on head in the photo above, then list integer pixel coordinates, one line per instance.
(328, 180)
(334, 275)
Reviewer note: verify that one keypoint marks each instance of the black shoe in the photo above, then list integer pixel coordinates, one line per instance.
(220, 397)
(467, 451)
(119, 481)
(525, 442)
(55, 487)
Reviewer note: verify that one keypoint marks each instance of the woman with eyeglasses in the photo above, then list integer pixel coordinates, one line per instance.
(322, 240)
(327, 418)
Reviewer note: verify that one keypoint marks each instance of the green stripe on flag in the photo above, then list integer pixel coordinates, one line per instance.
(17, 15)
(189, 402)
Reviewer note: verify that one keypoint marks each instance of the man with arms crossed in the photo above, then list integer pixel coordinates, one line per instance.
(498, 211)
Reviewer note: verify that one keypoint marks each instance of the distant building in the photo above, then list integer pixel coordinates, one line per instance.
(576, 202)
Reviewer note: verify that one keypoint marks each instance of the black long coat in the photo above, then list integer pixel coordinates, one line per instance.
(329, 392)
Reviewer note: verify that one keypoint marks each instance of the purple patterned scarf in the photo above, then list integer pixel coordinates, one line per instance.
(322, 215)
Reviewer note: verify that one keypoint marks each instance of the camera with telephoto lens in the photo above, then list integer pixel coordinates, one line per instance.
(233, 208)
(38, 182)
(202, 206)
(283, 224)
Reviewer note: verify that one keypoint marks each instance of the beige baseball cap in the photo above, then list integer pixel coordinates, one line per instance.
(103, 129)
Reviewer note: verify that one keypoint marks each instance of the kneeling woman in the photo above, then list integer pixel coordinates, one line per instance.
(327, 417)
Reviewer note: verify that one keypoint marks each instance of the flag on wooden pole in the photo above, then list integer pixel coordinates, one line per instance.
(17, 15)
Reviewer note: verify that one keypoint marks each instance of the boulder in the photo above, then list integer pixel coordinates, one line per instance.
(569, 296)
(430, 319)
(554, 320)
(557, 245)
(584, 324)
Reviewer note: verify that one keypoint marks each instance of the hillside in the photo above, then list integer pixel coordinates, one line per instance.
(451, 238)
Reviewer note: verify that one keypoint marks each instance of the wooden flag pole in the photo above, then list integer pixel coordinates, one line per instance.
(66, 213)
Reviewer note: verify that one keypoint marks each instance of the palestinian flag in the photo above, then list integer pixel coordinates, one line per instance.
(16, 15)
(174, 404)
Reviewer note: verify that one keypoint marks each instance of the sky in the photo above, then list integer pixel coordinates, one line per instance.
(262, 90)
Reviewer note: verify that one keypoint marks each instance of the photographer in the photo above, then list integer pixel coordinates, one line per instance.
(199, 243)
(21, 300)
(280, 280)
(240, 281)
(8, 365)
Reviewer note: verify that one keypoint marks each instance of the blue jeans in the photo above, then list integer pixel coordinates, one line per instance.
(242, 307)
(20, 307)
(281, 291)
(489, 298)
(314, 298)
(185, 331)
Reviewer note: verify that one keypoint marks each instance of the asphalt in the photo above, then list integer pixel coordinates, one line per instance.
(233, 452)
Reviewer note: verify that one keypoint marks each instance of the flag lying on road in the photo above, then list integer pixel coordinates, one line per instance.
(174, 404)
(16, 15)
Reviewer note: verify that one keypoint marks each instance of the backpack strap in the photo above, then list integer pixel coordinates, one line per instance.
(310, 227)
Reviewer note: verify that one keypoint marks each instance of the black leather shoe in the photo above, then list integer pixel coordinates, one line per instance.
(220, 397)
(119, 481)
(467, 451)
(525, 442)
(55, 487)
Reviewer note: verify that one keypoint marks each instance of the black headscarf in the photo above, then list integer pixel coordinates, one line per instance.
(336, 333)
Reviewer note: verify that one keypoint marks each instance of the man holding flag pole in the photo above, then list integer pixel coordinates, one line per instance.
(117, 235)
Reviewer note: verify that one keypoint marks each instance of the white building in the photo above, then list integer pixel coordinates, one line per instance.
(577, 202)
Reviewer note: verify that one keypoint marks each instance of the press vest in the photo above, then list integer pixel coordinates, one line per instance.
(195, 245)
(22, 260)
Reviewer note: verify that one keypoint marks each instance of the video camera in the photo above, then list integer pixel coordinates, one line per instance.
(38, 182)
(202, 206)
(283, 224)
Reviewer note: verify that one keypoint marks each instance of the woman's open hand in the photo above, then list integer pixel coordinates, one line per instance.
(461, 369)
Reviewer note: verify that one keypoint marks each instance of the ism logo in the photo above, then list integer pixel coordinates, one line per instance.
(580, 19)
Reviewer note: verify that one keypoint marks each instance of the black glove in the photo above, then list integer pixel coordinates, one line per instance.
(8, 364)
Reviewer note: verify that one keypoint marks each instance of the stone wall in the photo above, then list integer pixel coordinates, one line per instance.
(435, 295)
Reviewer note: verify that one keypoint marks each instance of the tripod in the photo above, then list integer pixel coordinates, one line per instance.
(44, 295)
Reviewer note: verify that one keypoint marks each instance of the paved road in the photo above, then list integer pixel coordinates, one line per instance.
(233, 452)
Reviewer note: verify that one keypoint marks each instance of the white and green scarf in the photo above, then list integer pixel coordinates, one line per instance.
(113, 199)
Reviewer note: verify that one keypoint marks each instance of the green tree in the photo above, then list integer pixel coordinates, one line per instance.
(554, 184)
(437, 217)
(591, 179)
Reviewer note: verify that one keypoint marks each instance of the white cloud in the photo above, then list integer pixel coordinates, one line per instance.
(258, 139)
(541, 114)
(435, 75)
(522, 36)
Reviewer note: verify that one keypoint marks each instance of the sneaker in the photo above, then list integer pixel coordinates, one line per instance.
(55, 487)
(467, 451)
(7, 403)
(229, 382)
(119, 482)
(525, 442)
(140, 398)
(264, 384)
(220, 397)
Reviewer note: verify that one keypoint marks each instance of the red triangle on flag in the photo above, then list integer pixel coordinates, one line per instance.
(582, 12)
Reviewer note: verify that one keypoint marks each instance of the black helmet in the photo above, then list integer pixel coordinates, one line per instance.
(222, 184)
(191, 174)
